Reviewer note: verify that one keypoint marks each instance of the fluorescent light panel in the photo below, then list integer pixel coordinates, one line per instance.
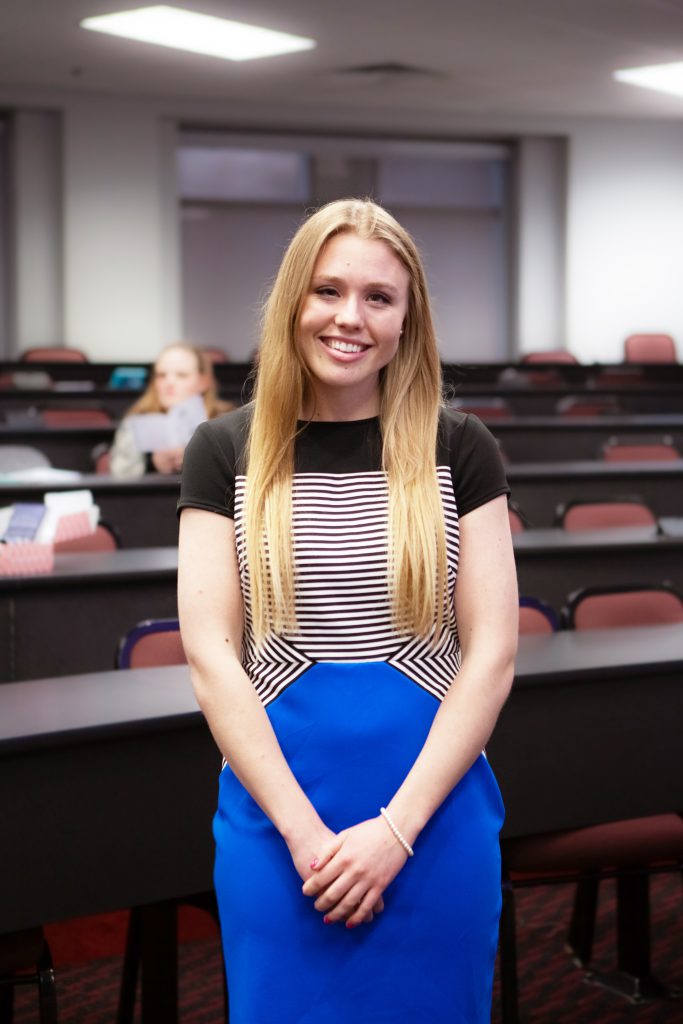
(198, 33)
(662, 77)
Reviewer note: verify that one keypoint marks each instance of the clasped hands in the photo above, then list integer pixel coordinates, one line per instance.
(350, 871)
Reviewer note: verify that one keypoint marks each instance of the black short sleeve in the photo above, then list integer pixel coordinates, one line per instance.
(212, 459)
(472, 453)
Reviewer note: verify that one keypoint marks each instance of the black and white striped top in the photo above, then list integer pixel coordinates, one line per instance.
(339, 526)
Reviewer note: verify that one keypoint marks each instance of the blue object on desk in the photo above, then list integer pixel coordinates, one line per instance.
(128, 377)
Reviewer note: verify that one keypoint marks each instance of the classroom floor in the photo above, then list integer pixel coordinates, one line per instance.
(552, 990)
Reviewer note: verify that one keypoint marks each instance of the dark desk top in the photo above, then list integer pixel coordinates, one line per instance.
(669, 535)
(98, 483)
(75, 569)
(46, 712)
(108, 780)
(70, 709)
(587, 655)
(593, 469)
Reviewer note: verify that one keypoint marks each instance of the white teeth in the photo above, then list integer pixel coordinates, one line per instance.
(345, 346)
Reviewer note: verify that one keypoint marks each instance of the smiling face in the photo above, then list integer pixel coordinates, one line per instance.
(350, 324)
(177, 376)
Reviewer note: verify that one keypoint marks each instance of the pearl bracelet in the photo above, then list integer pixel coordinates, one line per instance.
(401, 838)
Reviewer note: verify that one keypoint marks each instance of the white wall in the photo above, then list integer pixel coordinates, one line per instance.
(36, 278)
(230, 257)
(120, 282)
(120, 226)
(540, 200)
(625, 235)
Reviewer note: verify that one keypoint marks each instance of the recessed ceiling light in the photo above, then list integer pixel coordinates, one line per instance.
(662, 77)
(198, 33)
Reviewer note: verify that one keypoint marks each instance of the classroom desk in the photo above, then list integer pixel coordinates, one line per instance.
(522, 438)
(553, 563)
(65, 447)
(70, 620)
(527, 399)
(143, 510)
(25, 402)
(559, 438)
(108, 781)
(108, 786)
(592, 730)
(538, 487)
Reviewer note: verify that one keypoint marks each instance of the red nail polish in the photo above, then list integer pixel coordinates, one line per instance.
(327, 920)
(314, 863)
(350, 925)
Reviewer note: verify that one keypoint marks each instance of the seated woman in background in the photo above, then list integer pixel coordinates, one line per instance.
(180, 371)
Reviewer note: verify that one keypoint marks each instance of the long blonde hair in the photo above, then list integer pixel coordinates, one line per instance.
(410, 401)
(149, 399)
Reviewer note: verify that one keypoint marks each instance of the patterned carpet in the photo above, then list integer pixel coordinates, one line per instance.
(552, 990)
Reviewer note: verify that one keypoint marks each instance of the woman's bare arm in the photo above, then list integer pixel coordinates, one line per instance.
(486, 602)
(211, 619)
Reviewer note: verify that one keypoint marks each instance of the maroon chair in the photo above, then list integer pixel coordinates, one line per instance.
(626, 850)
(152, 642)
(640, 450)
(100, 457)
(75, 418)
(516, 521)
(604, 514)
(25, 958)
(553, 355)
(649, 348)
(536, 616)
(58, 354)
(587, 405)
(627, 605)
(216, 355)
(105, 538)
(484, 408)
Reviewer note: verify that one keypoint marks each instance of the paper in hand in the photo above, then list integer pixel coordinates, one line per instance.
(159, 431)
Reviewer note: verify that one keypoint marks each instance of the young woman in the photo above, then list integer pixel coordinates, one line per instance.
(180, 372)
(348, 606)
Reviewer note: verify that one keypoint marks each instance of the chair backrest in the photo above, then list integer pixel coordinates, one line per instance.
(216, 355)
(554, 355)
(516, 521)
(21, 456)
(536, 616)
(626, 606)
(75, 418)
(105, 538)
(101, 457)
(59, 354)
(484, 408)
(150, 643)
(649, 348)
(656, 450)
(603, 515)
(587, 405)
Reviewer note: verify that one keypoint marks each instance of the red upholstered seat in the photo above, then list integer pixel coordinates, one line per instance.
(618, 844)
(655, 452)
(603, 515)
(56, 354)
(104, 538)
(76, 418)
(553, 355)
(649, 348)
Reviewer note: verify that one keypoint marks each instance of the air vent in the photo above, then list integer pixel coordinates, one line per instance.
(390, 69)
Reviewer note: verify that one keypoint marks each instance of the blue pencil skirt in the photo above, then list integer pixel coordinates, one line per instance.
(351, 732)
